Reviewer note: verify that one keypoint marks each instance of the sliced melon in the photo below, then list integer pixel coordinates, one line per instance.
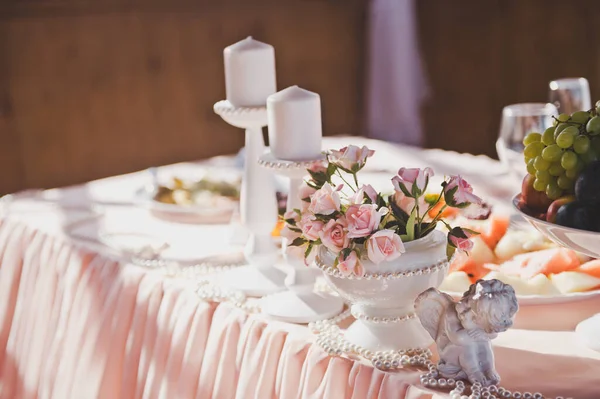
(456, 282)
(567, 282)
(520, 286)
(481, 253)
(542, 285)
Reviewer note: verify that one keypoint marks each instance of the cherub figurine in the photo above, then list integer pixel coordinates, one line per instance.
(463, 331)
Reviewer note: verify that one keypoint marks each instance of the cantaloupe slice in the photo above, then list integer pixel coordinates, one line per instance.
(456, 282)
(591, 268)
(481, 252)
(549, 261)
(465, 263)
(567, 282)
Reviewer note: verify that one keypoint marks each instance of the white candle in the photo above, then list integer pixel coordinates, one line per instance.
(249, 73)
(294, 116)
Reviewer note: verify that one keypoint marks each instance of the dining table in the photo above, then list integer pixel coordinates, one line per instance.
(81, 316)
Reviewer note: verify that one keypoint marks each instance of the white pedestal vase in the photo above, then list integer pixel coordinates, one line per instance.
(383, 299)
(258, 207)
(300, 304)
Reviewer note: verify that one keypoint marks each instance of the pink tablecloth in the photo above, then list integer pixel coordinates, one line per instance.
(76, 322)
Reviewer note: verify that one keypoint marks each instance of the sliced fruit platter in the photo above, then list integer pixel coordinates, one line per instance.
(560, 195)
(539, 270)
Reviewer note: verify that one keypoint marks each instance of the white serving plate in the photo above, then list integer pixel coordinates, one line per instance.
(529, 300)
(215, 210)
(582, 241)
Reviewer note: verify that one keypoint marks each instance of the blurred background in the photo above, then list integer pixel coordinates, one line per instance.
(90, 89)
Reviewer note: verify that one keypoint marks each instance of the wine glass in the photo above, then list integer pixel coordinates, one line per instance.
(517, 121)
(570, 95)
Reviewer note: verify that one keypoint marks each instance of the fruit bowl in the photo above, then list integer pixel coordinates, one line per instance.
(583, 241)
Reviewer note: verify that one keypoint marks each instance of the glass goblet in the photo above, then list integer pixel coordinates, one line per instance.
(570, 95)
(517, 121)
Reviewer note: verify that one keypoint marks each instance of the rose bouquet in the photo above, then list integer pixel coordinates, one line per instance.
(356, 222)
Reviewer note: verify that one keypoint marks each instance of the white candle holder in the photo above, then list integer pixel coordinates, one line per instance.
(300, 304)
(258, 207)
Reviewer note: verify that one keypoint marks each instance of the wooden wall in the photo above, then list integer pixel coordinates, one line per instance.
(94, 88)
(483, 55)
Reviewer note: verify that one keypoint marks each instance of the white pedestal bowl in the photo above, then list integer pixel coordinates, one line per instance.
(383, 299)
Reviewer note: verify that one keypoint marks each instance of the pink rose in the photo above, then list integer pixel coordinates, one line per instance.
(362, 220)
(334, 235)
(384, 245)
(458, 193)
(359, 196)
(412, 181)
(304, 192)
(462, 244)
(350, 265)
(291, 215)
(407, 204)
(351, 158)
(310, 227)
(325, 201)
(459, 238)
(318, 167)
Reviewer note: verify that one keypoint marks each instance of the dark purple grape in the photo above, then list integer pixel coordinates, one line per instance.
(587, 185)
(579, 215)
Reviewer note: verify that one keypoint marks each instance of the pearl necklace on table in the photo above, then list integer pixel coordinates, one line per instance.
(330, 338)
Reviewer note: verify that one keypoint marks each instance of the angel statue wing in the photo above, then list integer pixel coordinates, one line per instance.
(430, 307)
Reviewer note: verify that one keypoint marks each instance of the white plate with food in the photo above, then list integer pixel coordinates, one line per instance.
(540, 271)
(203, 195)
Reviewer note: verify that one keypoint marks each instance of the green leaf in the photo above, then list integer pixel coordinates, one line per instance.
(298, 242)
(331, 170)
(308, 249)
(404, 237)
(410, 225)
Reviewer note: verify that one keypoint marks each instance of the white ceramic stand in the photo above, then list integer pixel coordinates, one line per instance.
(300, 304)
(258, 207)
(588, 332)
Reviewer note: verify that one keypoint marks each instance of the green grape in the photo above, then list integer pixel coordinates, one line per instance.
(543, 176)
(565, 139)
(539, 185)
(565, 183)
(532, 138)
(572, 130)
(558, 130)
(568, 160)
(571, 173)
(563, 117)
(540, 163)
(589, 156)
(552, 153)
(553, 191)
(593, 126)
(555, 169)
(548, 136)
(580, 117)
(581, 144)
(531, 167)
(533, 150)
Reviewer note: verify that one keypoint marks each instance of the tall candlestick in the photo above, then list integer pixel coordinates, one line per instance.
(249, 73)
(294, 117)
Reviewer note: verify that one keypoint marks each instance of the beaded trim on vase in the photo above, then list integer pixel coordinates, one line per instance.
(332, 271)
(381, 320)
